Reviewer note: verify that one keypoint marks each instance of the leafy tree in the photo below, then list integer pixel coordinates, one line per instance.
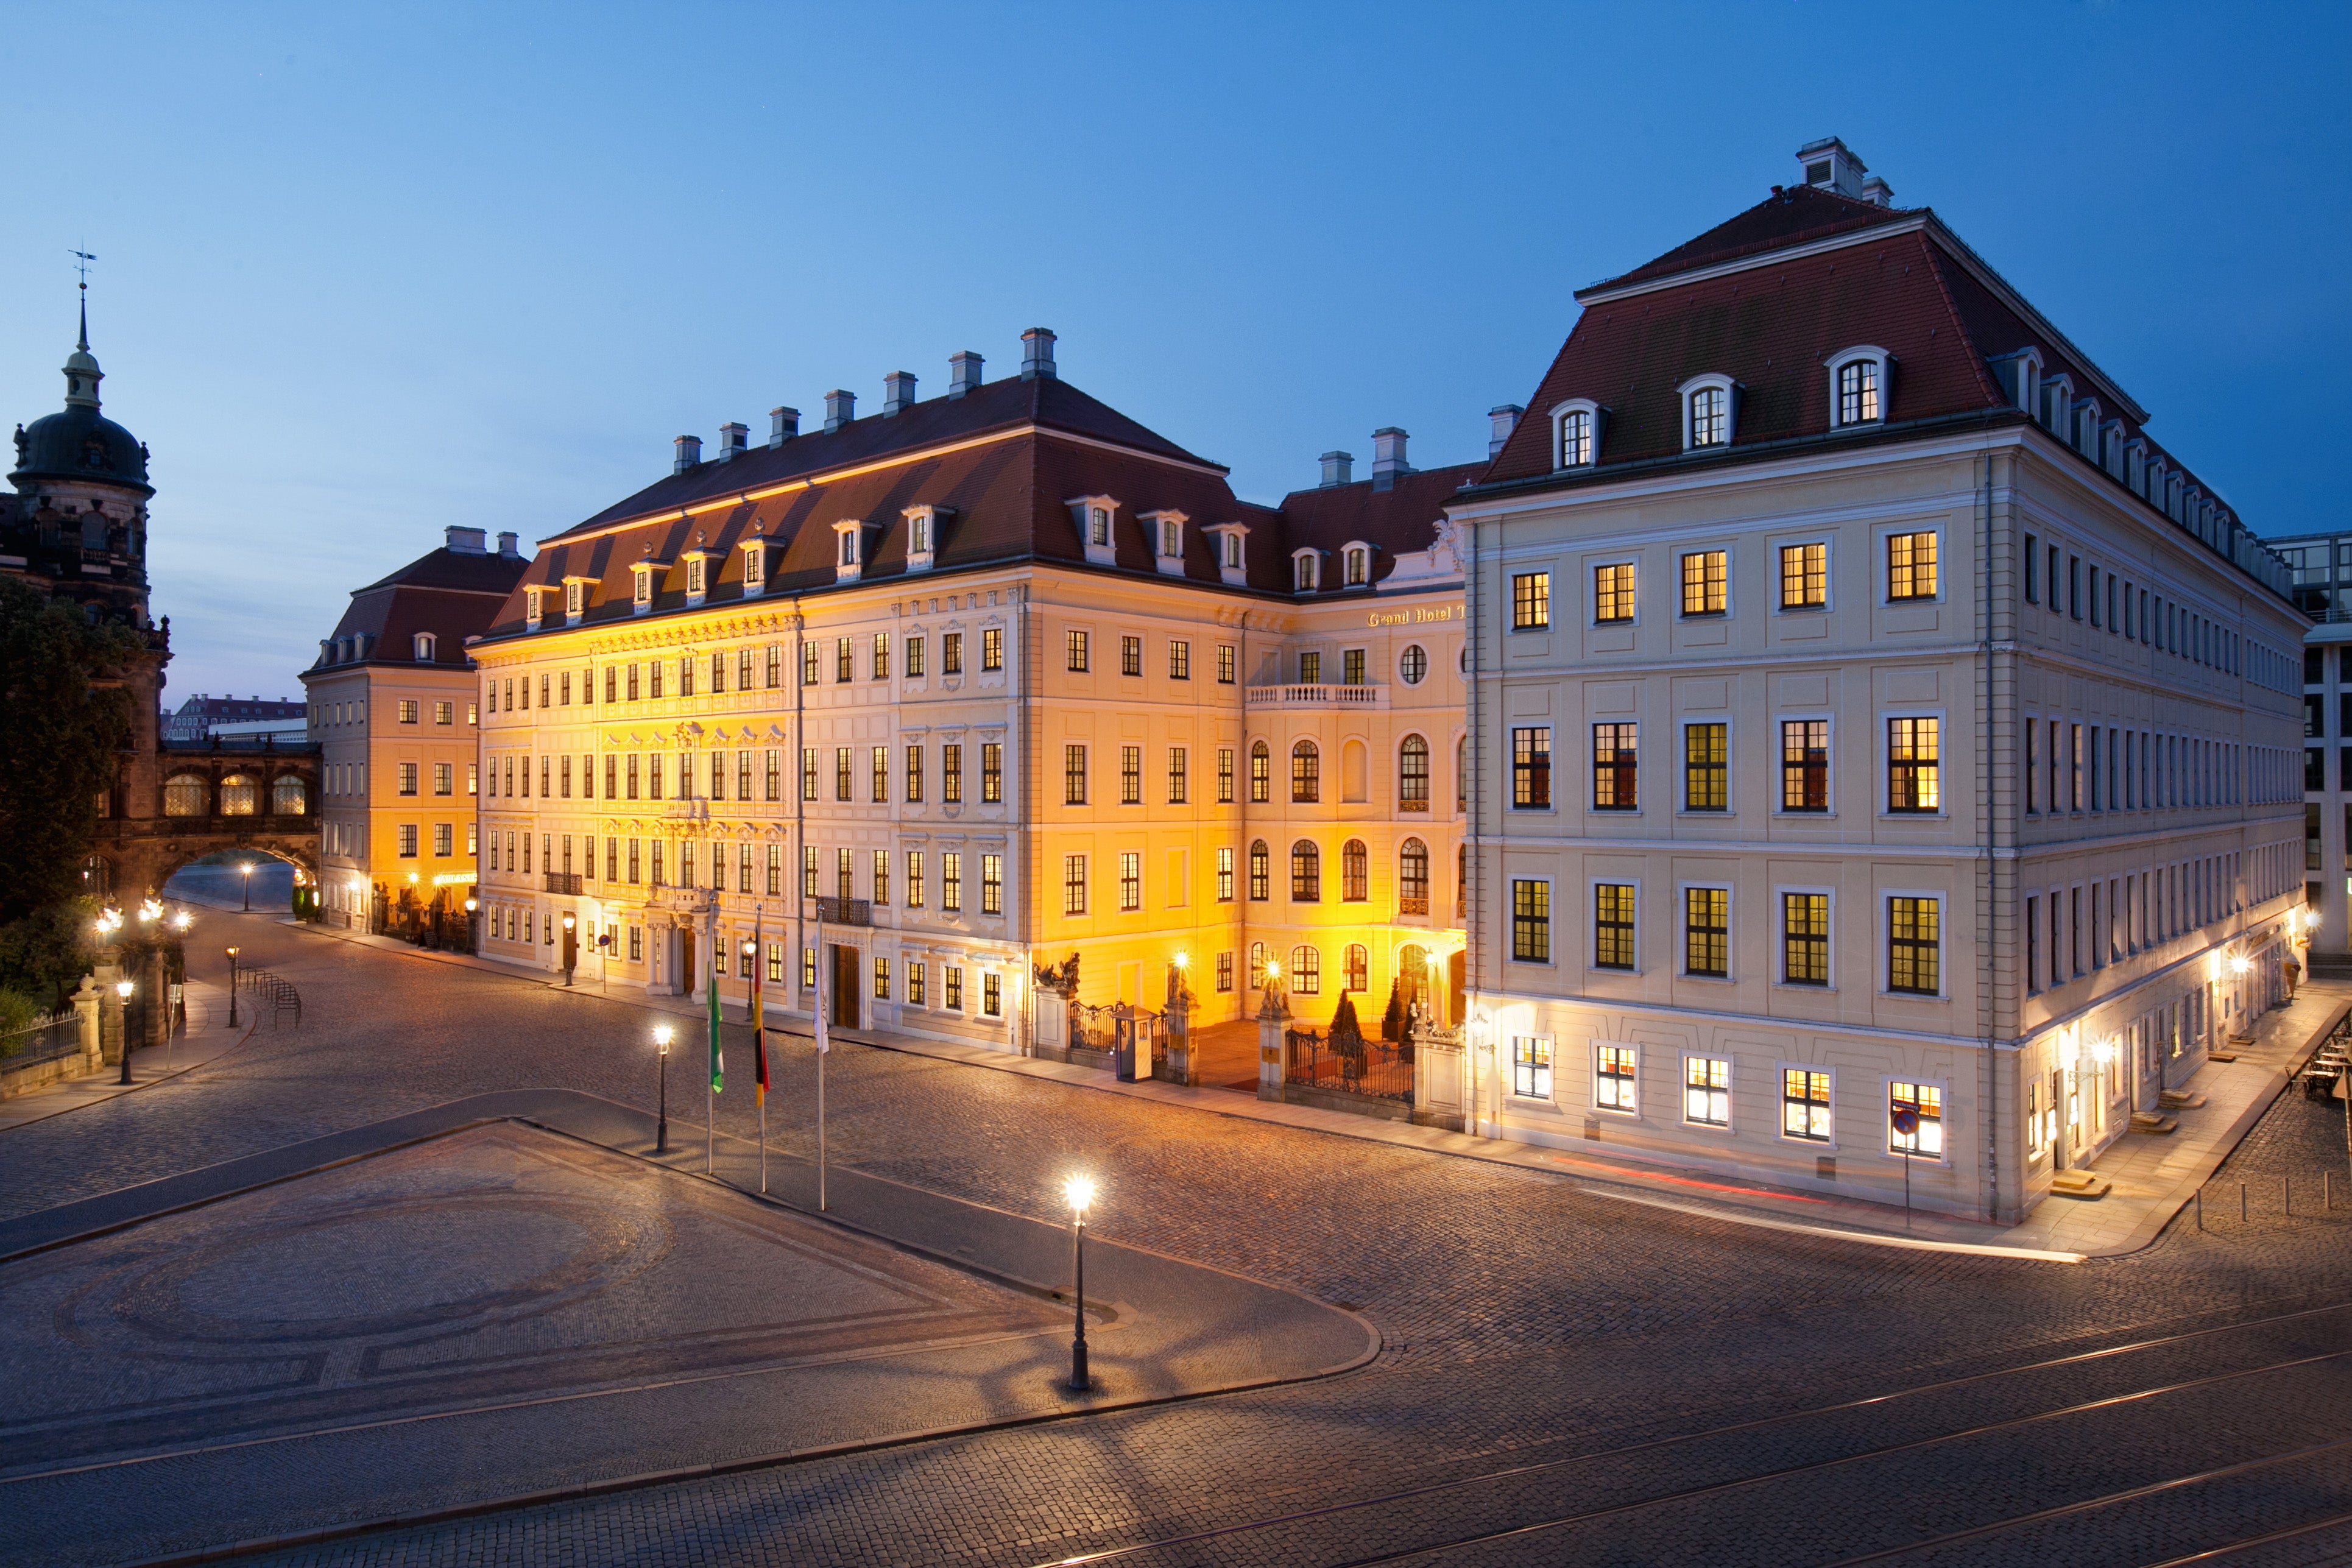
(44, 955)
(64, 715)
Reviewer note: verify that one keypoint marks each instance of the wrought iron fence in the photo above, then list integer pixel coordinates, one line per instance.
(844, 912)
(58, 1035)
(1104, 1028)
(278, 993)
(1349, 1063)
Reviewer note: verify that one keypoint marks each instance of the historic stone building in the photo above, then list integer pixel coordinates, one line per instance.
(1888, 757)
(396, 713)
(77, 527)
(987, 679)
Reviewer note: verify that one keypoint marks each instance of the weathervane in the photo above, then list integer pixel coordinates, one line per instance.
(83, 259)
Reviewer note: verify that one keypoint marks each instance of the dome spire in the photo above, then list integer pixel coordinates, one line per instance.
(82, 375)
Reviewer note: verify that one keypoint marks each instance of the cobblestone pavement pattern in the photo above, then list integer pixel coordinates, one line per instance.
(1526, 1325)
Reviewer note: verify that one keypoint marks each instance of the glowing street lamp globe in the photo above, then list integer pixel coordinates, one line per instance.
(1078, 1192)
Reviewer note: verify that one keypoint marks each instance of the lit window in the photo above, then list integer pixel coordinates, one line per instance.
(1413, 774)
(1911, 566)
(1915, 945)
(1914, 764)
(1706, 1092)
(1412, 878)
(1804, 577)
(1925, 1102)
(1805, 1104)
(1532, 768)
(1530, 921)
(1306, 773)
(1706, 767)
(1305, 971)
(1805, 939)
(1612, 593)
(1805, 764)
(1858, 391)
(1303, 572)
(1413, 665)
(1261, 774)
(1530, 601)
(1576, 438)
(1076, 651)
(1261, 873)
(1613, 1079)
(1531, 1066)
(1130, 881)
(1707, 582)
(1130, 656)
(1359, 567)
(1615, 767)
(1709, 417)
(1074, 884)
(1707, 937)
(1306, 872)
(1613, 925)
(1355, 872)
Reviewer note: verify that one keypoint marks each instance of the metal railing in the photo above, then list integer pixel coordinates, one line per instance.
(58, 1035)
(844, 912)
(1348, 1064)
(562, 882)
(277, 992)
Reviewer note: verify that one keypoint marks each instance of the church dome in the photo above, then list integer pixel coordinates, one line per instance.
(79, 443)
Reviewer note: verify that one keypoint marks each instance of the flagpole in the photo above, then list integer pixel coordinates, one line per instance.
(710, 1079)
(823, 1047)
(759, 1038)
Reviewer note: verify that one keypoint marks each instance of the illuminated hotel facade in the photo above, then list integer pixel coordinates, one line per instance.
(985, 680)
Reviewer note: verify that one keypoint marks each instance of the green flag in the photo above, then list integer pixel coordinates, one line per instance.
(718, 1057)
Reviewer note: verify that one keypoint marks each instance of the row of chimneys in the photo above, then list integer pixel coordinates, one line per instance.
(898, 395)
(1388, 450)
(470, 542)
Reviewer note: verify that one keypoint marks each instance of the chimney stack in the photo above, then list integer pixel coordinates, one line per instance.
(783, 424)
(1339, 468)
(734, 439)
(1037, 355)
(1877, 192)
(964, 372)
(1828, 164)
(1387, 456)
(1504, 418)
(506, 546)
(840, 408)
(689, 453)
(463, 540)
(897, 392)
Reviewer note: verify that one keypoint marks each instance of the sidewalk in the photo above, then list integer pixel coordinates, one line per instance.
(207, 1037)
(2154, 1177)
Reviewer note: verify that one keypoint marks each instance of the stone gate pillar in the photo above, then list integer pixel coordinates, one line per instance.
(1273, 1019)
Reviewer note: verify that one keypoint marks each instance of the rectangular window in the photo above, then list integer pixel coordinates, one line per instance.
(992, 884)
(1074, 884)
(1924, 1103)
(1531, 1066)
(1914, 756)
(1224, 775)
(1310, 669)
(841, 665)
(1130, 881)
(1915, 945)
(407, 711)
(1224, 972)
(1804, 577)
(1805, 1104)
(444, 839)
(992, 648)
(2032, 571)
(408, 777)
(1225, 874)
(1805, 939)
(1530, 921)
(1130, 656)
(992, 772)
(447, 712)
(1614, 1086)
(1180, 661)
(1706, 931)
(1180, 780)
(1532, 768)
(1530, 601)
(808, 666)
(881, 656)
(915, 893)
(882, 980)
(1351, 667)
(1612, 593)
(408, 841)
(914, 774)
(951, 773)
(1074, 775)
(444, 777)
(808, 870)
(881, 875)
(1805, 764)
(1131, 775)
(917, 973)
(1911, 566)
(1706, 1092)
(1075, 651)
(808, 773)
(1225, 664)
(992, 994)
(1707, 582)
(914, 658)
(1613, 925)
(1706, 767)
(841, 770)
(1615, 771)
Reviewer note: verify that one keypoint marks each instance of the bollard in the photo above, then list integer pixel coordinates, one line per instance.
(2200, 1209)
(2289, 1186)
(2327, 1189)
(2242, 1203)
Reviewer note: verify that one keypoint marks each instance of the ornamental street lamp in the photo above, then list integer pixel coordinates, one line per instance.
(122, 991)
(571, 924)
(661, 1128)
(1079, 1191)
(246, 871)
(232, 988)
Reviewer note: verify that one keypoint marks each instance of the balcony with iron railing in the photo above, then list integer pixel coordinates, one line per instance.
(844, 912)
(562, 882)
(1318, 696)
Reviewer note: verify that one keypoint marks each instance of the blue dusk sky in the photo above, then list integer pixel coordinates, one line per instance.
(367, 272)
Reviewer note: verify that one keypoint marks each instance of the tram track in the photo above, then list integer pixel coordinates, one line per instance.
(1228, 1534)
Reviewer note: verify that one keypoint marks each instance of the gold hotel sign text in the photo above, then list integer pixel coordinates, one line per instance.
(1415, 617)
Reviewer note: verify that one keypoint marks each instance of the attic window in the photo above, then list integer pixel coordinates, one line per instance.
(1234, 551)
(641, 585)
(1576, 433)
(918, 534)
(530, 607)
(1303, 572)
(575, 596)
(424, 647)
(1858, 387)
(694, 574)
(1706, 411)
(848, 537)
(755, 564)
(1097, 525)
(1171, 537)
(1357, 569)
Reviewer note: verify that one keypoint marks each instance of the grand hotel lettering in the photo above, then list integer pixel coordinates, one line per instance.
(1418, 615)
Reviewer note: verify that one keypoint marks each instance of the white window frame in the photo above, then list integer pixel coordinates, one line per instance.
(1688, 390)
(1880, 538)
(423, 648)
(1103, 552)
(1232, 552)
(1780, 1110)
(1861, 354)
(1592, 1069)
(1730, 553)
(755, 567)
(1161, 523)
(1827, 539)
(1780, 938)
(575, 599)
(1549, 1069)
(1683, 721)
(1883, 954)
(1594, 414)
(1806, 716)
(1592, 565)
(698, 575)
(1879, 800)
(1943, 1158)
(1350, 553)
(641, 587)
(1306, 570)
(1731, 891)
(1592, 926)
(533, 602)
(1730, 1091)
(849, 550)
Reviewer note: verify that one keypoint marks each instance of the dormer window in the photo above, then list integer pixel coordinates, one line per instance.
(1576, 433)
(424, 647)
(1356, 566)
(755, 565)
(575, 598)
(1858, 387)
(1097, 525)
(848, 550)
(1305, 571)
(694, 577)
(1232, 562)
(1166, 541)
(641, 587)
(1707, 411)
(1171, 537)
(1093, 516)
(918, 534)
(924, 524)
(531, 609)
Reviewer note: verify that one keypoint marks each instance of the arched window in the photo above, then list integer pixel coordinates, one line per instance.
(1261, 872)
(1462, 773)
(1261, 774)
(1305, 971)
(1305, 873)
(1359, 968)
(239, 796)
(1355, 871)
(424, 647)
(1257, 965)
(1306, 773)
(1412, 878)
(186, 795)
(288, 795)
(1413, 774)
(1358, 566)
(1706, 412)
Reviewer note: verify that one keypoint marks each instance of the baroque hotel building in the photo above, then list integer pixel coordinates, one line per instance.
(986, 678)
(1875, 766)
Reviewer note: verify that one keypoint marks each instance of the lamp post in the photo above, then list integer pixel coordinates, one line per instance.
(232, 988)
(122, 992)
(473, 941)
(661, 1128)
(571, 924)
(245, 870)
(1079, 1191)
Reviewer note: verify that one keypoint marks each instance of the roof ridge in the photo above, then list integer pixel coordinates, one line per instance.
(1985, 381)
